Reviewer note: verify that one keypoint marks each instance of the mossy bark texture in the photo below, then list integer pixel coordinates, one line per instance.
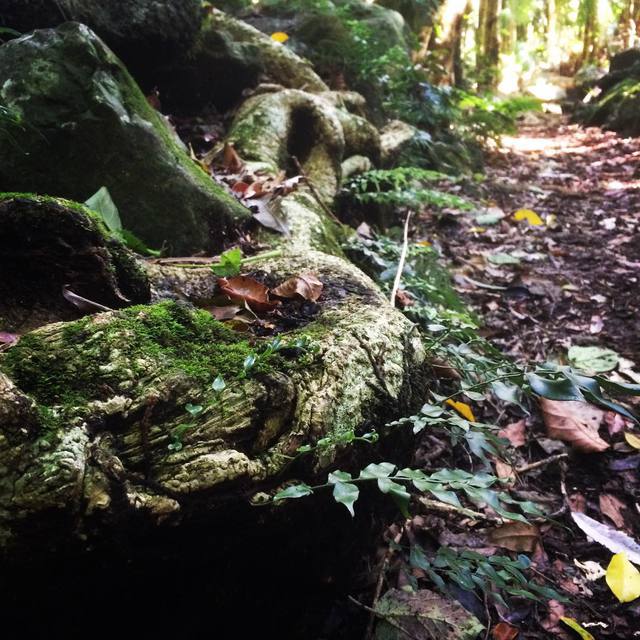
(113, 418)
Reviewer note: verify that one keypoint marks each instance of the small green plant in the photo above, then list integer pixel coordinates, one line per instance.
(404, 187)
(473, 572)
(231, 261)
(102, 204)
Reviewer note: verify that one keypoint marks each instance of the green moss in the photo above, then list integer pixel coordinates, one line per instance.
(90, 360)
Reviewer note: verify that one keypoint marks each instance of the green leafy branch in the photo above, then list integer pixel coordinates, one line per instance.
(443, 485)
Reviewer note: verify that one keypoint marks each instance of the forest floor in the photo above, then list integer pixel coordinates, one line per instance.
(574, 282)
(577, 281)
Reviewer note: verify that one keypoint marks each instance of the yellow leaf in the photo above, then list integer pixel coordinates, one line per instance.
(632, 440)
(463, 409)
(530, 216)
(279, 36)
(623, 578)
(583, 633)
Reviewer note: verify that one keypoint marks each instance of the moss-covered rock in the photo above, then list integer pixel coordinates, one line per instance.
(142, 32)
(86, 124)
(47, 244)
(229, 57)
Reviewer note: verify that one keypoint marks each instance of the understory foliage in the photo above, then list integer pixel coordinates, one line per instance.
(450, 335)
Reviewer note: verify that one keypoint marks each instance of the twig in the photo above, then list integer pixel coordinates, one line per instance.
(314, 191)
(376, 595)
(387, 619)
(541, 463)
(435, 505)
(403, 257)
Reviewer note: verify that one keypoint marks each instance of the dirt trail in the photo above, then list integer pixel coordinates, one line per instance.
(577, 282)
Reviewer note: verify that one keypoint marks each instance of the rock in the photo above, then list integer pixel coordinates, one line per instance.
(86, 124)
(403, 144)
(142, 32)
(47, 245)
(229, 57)
(624, 60)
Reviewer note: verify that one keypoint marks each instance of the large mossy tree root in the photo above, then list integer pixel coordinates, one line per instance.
(127, 423)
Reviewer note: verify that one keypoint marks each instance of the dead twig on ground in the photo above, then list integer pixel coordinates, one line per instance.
(403, 258)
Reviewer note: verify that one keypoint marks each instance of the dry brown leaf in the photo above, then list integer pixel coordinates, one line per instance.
(224, 313)
(574, 422)
(231, 161)
(612, 508)
(556, 611)
(404, 299)
(504, 471)
(306, 286)
(504, 631)
(515, 536)
(577, 502)
(515, 433)
(245, 289)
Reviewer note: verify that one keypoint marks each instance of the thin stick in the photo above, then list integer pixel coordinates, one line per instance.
(435, 505)
(387, 619)
(314, 192)
(403, 257)
(541, 463)
(383, 570)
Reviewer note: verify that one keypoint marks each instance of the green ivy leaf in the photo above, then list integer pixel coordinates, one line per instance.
(194, 409)
(219, 385)
(295, 491)
(346, 493)
(382, 470)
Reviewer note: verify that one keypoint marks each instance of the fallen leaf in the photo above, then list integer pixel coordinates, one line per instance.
(612, 508)
(425, 615)
(530, 216)
(306, 286)
(279, 36)
(8, 338)
(596, 325)
(632, 440)
(504, 471)
(514, 433)
(83, 304)
(224, 313)
(623, 578)
(574, 422)
(592, 359)
(572, 624)
(265, 216)
(591, 569)
(463, 409)
(246, 289)
(231, 161)
(615, 541)
(504, 631)
(556, 611)
(404, 299)
(503, 259)
(516, 536)
(615, 422)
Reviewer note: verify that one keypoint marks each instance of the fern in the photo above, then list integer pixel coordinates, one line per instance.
(403, 186)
